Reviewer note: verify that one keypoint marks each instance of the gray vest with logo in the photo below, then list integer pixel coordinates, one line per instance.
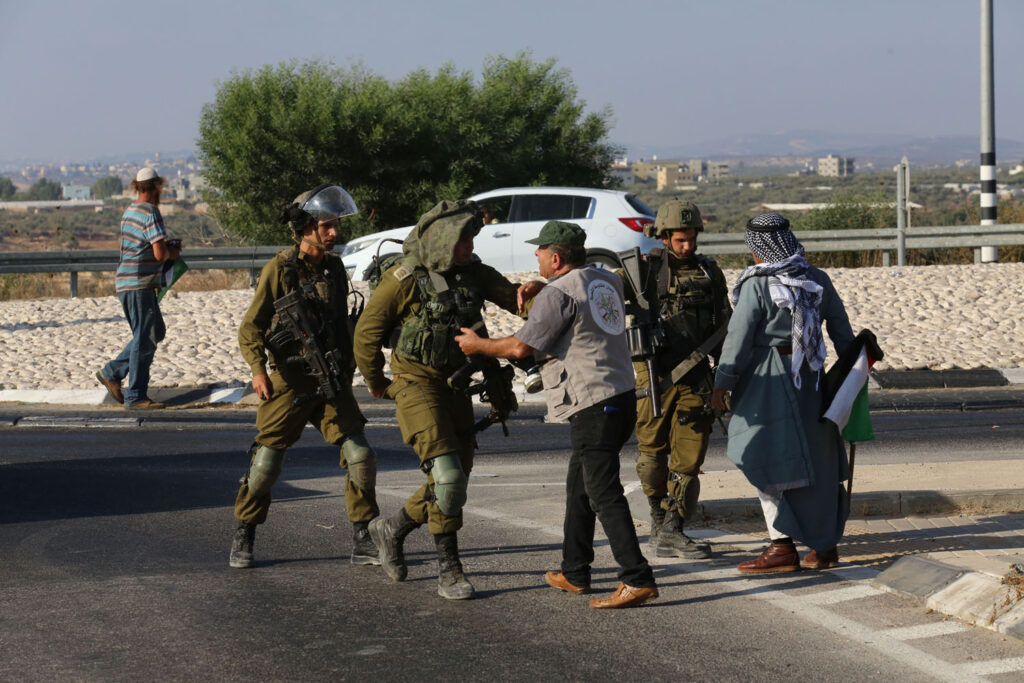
(590, 362)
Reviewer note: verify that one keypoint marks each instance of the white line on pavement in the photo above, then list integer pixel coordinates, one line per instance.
(838, 595)
(994, 666)
(938, 628)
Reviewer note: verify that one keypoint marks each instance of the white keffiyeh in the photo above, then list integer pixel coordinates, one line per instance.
(790, 288)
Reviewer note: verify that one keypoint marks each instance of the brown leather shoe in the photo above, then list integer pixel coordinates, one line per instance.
(625, 596)
(558, 580)
(113, 388)
(776, 559)
(825, 560)
(145, 404)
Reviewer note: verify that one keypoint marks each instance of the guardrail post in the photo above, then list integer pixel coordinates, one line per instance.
(74, 285)
(902, 192)
(885, 259)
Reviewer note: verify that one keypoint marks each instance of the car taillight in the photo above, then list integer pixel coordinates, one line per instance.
(636, 224)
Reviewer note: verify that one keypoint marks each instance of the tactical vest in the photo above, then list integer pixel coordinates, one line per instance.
(688, 304)
(325, 291)
(448, 302)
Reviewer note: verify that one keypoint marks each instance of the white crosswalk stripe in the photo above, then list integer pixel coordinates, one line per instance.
(939, 628)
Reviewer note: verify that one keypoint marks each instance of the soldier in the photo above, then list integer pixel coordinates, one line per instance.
(691, 301)
(291, 396)
(418, 308)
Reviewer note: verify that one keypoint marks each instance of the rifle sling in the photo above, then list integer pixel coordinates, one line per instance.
(691, 361)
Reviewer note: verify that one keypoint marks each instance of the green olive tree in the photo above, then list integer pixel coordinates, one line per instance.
(397, 147)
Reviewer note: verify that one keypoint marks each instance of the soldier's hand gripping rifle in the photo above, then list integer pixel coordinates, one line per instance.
(300, 323)
(645, 335)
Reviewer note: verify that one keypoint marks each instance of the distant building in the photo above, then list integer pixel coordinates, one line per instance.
(718, 170)
(672, 175)
(626, 175)
(75, 191)
(836, 167)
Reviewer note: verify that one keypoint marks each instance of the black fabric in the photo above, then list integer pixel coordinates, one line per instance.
(594, 491)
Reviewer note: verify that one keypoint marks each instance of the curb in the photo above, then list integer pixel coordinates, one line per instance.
(889, 379)
(978, 598)
(889, 504)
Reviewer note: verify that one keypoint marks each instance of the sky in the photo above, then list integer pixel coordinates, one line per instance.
(88, 79)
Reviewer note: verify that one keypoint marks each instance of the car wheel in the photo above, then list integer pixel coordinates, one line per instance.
(603, 258)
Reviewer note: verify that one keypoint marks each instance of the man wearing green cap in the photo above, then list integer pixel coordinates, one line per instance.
(577, 331)
(417, 309)
(688, 295)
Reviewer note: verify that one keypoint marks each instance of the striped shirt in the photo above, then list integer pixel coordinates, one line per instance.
(141, 227)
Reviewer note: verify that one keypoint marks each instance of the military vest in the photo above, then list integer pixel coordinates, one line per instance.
(325, 290)
(688, 303)
(448, 302)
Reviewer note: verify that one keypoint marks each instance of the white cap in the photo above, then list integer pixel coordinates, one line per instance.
(146, 173)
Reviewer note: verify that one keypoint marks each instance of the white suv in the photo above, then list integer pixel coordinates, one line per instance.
(613, 220)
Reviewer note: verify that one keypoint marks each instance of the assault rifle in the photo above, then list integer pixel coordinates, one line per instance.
(645, 336)
(495, 387)
(301, 324)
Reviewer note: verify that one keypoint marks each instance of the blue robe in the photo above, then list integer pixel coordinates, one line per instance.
(776, 437)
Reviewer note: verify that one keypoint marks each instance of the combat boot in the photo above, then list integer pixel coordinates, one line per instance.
(388, 535)
(672, 542)
(363, 549)
(657, 519)
(241, 546)
(451, 583)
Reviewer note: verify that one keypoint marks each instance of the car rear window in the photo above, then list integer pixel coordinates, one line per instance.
(550, 207)
(639, 206)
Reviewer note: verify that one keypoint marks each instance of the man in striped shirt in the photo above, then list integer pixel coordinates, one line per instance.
(144, 250)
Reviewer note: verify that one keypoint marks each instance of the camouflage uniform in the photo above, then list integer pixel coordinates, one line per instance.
(322, 287)
(408, 311)
(690, 297)
(279, 422)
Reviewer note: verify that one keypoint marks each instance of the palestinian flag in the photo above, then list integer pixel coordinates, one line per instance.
(172, 271)
(846, 388)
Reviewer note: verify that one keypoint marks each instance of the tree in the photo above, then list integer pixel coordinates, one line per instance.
(44, 190)
(396, 147)
(107, 187)
(7, 189)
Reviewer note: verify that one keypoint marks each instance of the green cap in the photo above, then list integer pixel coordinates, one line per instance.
(676, 215)
(559, 232)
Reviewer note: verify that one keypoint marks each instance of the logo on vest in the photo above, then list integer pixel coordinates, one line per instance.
(606, 307)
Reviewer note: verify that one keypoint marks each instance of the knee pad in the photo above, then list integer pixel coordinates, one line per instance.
(360, 461)
(450, 484)
(264, 470)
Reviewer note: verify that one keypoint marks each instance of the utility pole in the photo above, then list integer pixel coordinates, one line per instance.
(988, 131)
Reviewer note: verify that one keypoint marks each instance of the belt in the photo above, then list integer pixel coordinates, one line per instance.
(784, 350)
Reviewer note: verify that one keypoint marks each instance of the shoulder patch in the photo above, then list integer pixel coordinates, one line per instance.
(401, 272)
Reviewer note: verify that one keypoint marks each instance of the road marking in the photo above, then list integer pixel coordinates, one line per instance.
(992, 667)
(939, 628)
(838, 595)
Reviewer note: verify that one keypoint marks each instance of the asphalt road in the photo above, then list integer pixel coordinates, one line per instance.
(113, 566)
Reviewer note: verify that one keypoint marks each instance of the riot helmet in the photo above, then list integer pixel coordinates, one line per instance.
(675, 214)
(322, 203)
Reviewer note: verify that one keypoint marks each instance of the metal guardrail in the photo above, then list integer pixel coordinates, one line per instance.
(105, 260)
(885, 240)
(882, 239)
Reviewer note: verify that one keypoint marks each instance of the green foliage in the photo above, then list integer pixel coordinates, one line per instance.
(43, 190)
(107, 187)
(7, 189)
(397, 147)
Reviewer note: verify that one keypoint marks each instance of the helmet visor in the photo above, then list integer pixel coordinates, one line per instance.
(330, 202)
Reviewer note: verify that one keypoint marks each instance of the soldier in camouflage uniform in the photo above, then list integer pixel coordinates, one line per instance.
(288, 394)
(690, 297)
(418, 308)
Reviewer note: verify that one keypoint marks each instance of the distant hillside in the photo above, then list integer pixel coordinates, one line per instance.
(880, 150)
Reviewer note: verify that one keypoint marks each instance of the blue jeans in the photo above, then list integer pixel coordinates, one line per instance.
(593, 491)
(148, 330)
